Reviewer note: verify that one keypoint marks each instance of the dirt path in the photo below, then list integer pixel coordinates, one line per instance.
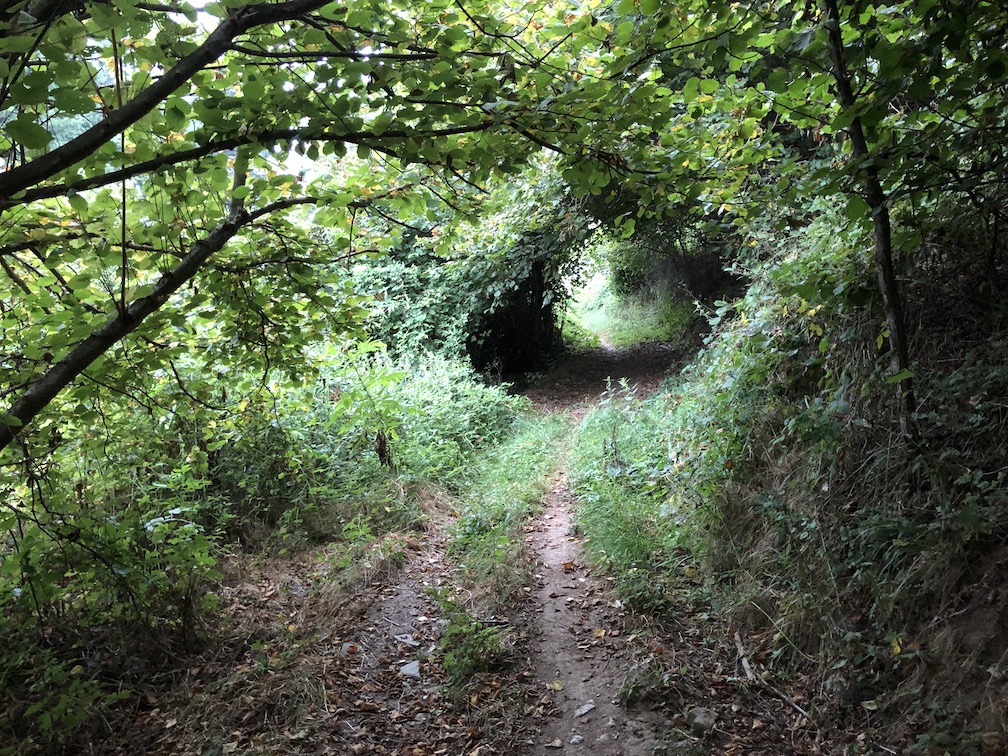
(579, 380)
(579, 648)
(573, 637)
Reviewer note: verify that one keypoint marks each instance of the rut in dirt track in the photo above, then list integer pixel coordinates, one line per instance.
(579, 650)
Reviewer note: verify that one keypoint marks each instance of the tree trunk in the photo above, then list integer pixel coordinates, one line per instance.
(878, 202)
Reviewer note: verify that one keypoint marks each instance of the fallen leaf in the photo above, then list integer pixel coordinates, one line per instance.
(554, 685)
(555, 744)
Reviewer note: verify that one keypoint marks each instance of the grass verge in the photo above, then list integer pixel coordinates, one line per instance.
(503, 488)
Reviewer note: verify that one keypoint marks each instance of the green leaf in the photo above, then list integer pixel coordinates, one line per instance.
(78, 202)
(902, 375)
(27, 133)
(10, 421)
(857, 209)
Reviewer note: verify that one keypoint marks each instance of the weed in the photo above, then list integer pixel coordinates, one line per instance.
(504, 487)
(623, 480)
(470, 645)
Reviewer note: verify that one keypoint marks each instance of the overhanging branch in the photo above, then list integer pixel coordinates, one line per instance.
(47, 386)
(29, 174)
(214, 147)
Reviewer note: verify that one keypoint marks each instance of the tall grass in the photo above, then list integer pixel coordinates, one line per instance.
(503, 487)
(623, 473)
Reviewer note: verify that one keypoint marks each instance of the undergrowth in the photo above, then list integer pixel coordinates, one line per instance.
(469, 645)
(772, 469)
(622, 475)
(112, 549)
(502, 489)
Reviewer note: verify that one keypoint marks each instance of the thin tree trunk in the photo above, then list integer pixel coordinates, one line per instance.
(878, 202)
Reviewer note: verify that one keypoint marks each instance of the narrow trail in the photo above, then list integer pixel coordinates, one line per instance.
(579, 648)
(574, 637)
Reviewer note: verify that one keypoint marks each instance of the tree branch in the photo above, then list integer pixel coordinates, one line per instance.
(306, 57)
(210, 148)
(47, 386)
(240, 21)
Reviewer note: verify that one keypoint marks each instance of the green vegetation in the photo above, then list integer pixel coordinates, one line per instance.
(263, 268)
(623, 477)
(623, 321)
(469, 645)
(770, 478)
(177, 497)
(503, 488)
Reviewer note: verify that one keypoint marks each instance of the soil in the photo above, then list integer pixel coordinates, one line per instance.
(313, 665)
(579, 380)
(580, 650)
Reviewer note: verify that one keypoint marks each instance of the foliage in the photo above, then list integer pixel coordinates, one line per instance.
(623, 477)
(626, 320)
(123, 245)
(771, 469)
(137, 544)
(495, 287)
(450, 417)
(470, 646)
(183, 188)
(577, 335)
(422, 302)
(504, 486)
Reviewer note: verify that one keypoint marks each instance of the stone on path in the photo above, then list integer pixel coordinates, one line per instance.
(701, 719)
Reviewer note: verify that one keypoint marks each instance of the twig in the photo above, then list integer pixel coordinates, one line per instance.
(760, 681)
(750, 675)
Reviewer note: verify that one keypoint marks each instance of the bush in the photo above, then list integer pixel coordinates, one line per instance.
(774, 461)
